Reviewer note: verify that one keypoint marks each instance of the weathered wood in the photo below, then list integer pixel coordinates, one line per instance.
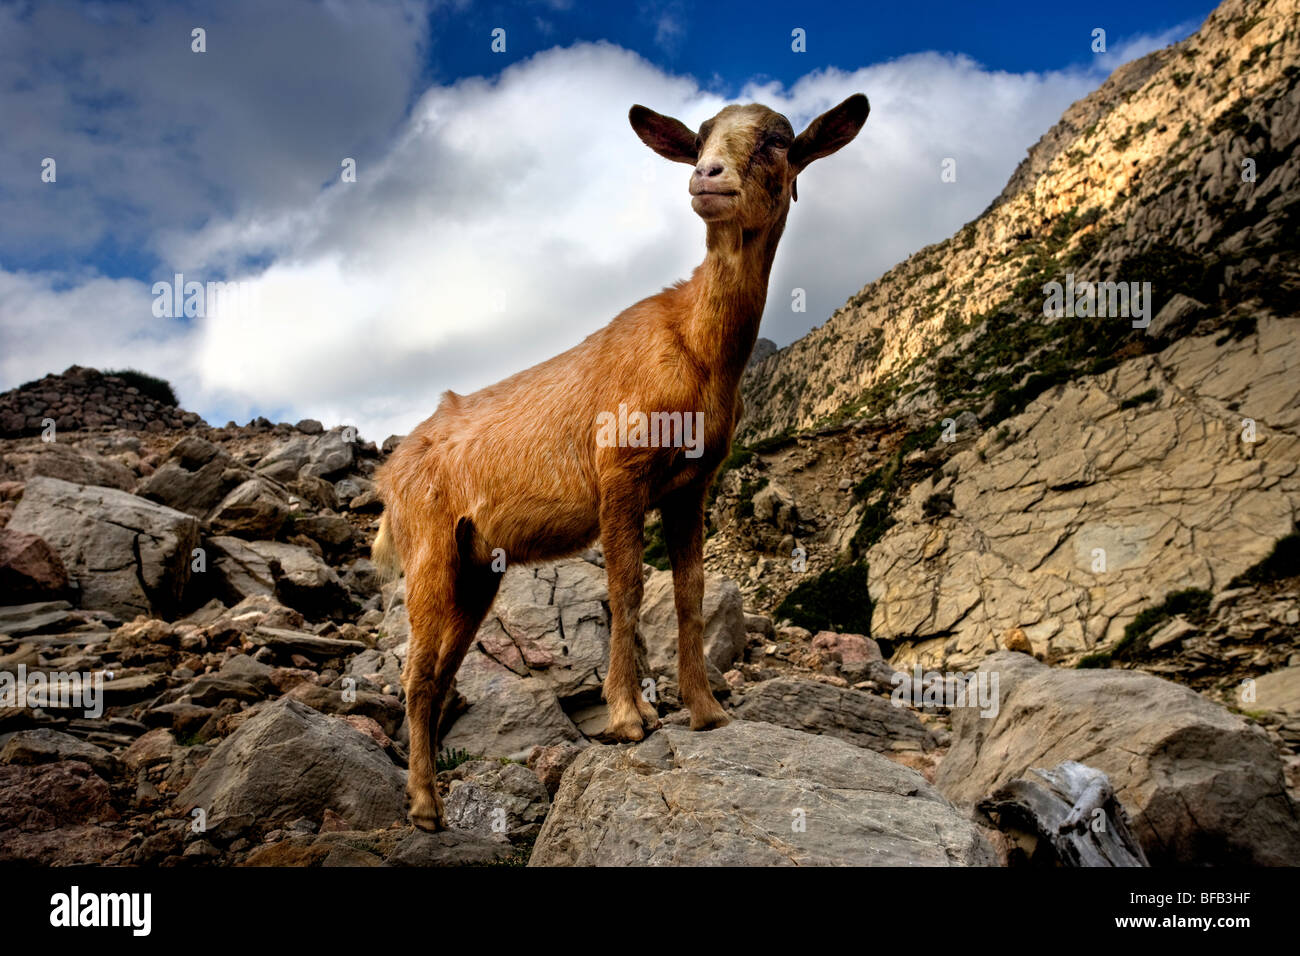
(1072, 818)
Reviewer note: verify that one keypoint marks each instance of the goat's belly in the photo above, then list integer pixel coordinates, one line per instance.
(534, 529)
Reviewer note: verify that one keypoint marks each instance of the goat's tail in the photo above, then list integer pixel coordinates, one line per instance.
(384, 552)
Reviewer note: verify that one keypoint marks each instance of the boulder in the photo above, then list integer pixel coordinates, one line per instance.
(324, 455)
(39, 617)
(76, 465)
(237, 570)
(43, 745)
(775, 505)
(724, 626)
(51, 815)
(862, 719)
(507, 715)
(491, 797)
(549, 764)
(384, 709)
(303, 581)
(194, 477)
(128, 555)
(289, 761)
(449, 848)
(255, 508)
(1202, 785)
(1279, 692)
(750, 794)
(329, 531)
(30, 570)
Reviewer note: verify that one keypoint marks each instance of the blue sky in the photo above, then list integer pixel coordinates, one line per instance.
(728, 43)
(502, 209)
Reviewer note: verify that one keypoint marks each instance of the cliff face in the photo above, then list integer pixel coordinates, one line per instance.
(1007, 475)
(1149, 179)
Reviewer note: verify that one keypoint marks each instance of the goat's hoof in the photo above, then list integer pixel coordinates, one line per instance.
(628, 732)
(427, 815)
(710, 719)
(649, 716)
(428, 822)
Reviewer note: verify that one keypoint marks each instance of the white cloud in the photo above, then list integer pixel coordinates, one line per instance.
(509, 218)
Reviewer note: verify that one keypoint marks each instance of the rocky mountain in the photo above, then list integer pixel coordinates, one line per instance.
(1180, 171)
(976, 572)
(993, 468)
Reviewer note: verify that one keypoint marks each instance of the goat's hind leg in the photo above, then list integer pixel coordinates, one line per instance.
(446, 611)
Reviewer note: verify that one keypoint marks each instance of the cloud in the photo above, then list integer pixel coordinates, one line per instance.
(151, 139)
(499, 223)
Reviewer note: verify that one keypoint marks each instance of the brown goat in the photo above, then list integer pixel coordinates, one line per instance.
(523, 465)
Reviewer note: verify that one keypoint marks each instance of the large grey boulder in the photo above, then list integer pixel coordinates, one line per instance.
(320, 456)
(491, 797)
(256, 508)
(866, 720)
(550, 622)
(237, 570)
(750, 794)
(724, 626)
(303, 581)
(80, 466)
(194, 477)
(1202, 785)
(508, 715)
(289, 761)
(128, 555)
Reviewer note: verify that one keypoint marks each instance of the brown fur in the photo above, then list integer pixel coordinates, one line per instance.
(516, 465)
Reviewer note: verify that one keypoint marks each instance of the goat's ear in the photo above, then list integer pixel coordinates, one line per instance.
(829, 132)
(670, 138)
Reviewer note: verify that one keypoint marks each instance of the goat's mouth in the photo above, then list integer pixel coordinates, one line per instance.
(713, 204)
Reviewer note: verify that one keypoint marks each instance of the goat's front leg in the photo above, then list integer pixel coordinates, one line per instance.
(683, 522)
(622, 521)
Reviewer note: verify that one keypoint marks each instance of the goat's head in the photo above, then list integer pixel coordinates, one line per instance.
(747, 157)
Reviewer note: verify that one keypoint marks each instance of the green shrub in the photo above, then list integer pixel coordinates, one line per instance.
(1141, 398)
(1101, 660)
(876, 520)
(1193, 603)
(747, 491)
(451, 759)
(835, 600)
(1282, 562)
(656, 550)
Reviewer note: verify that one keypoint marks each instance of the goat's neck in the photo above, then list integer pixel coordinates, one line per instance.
(730, 291)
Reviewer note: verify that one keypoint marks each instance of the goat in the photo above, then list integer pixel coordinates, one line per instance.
(520, 466)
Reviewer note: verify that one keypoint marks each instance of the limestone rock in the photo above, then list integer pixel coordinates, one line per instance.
(750, 794)
(724, 626)
(127, 555)
(1202, 786)
(863, 719)
(289, 761)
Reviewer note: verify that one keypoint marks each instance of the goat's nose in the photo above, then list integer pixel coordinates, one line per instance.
(708, 170)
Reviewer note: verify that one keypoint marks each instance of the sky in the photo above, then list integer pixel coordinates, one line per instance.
(405, 209)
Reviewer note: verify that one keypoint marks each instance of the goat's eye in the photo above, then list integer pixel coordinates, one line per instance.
(776, 142)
